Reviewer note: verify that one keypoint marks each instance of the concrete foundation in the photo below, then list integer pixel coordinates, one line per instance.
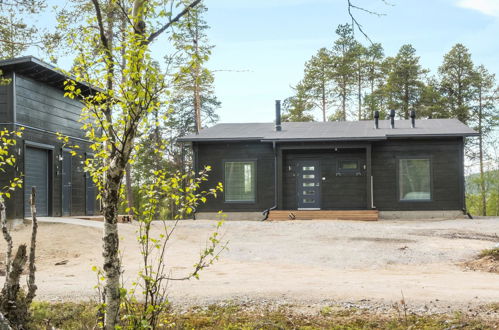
(230, 216)
(421, 215)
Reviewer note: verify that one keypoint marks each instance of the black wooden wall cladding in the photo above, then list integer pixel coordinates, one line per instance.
(214, 154)
(339, 190)
(343, 190)
(446, 156)
(78, 184)
(45, 107)
(43, 110)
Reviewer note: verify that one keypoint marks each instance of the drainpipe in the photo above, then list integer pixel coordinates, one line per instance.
(276, 170)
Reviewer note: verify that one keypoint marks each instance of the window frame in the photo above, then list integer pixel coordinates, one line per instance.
(415, 157)
(347, 170)
(255, 164)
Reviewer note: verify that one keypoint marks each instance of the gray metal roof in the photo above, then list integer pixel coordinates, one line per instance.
(39, 70)
(332, 131)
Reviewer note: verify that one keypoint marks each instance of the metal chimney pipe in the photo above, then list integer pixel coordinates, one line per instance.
(392, 118)
(376, 119)
(413, 119)
(278, 115)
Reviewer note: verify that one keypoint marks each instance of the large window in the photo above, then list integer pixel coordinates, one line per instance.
(414, 179)
(240, 181)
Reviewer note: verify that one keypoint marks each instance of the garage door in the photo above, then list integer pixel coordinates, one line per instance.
(36, 167)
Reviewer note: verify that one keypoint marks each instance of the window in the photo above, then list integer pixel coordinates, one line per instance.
(348, 165)
(414, 179)
(240, 181)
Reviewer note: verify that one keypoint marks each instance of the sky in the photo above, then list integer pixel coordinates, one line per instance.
(261, 45)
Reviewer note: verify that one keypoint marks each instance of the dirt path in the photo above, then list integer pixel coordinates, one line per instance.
(302, 261)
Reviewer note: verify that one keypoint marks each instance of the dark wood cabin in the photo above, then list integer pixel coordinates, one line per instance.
(34, 100)
(400, 168)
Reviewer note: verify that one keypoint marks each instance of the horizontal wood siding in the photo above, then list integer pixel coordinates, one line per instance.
(45, 107)
(214, 155)
(337, 192)
(78, 187)
(6, 103)
(15, 204)
(446, 167)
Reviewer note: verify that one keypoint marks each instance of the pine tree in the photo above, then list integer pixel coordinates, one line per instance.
(431, 103)
(405, 81)
(456, 82)
(194, 78)
(343, 59)
(484, 118)
(360, 68)
(16, 35)
(317, 81)
(297, 107)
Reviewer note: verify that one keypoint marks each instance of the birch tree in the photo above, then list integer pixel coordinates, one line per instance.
(114, 113)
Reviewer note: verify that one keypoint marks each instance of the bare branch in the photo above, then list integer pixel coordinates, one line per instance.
(154, 35)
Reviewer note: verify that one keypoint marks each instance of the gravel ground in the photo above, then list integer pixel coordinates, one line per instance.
(310, 263)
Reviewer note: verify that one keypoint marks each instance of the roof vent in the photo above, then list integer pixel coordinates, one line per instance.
(278, 115)
(413, 119)
(376, 119)
(392, 118)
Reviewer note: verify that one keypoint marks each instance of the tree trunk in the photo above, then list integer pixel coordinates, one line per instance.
(32, 249)
(359, 86)
(112, 266)
(11, 287)
(197, 83)
(324, 105)
(483, 192)
(6, 236)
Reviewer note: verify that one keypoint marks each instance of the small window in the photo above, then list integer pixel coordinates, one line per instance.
(240, 181)
(309, 168)
(308, 184)
(348, 165)
(308, 176)
(414, 179)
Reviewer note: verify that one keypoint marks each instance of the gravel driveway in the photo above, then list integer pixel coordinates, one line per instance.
(291, 262)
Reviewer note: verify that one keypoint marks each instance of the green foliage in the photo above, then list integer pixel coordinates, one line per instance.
(65, 315)
(145, 304)
(404, 84)
(18, 30)
(8, 140)
(345, 52)
(298, 107)
(316, 84)
(69, 315)
(456, 81)
(494, 253)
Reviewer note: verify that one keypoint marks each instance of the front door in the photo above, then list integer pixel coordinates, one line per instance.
(66, 183)
(308, 181)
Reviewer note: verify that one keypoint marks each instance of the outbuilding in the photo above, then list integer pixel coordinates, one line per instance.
(334, 170)
(34, 101)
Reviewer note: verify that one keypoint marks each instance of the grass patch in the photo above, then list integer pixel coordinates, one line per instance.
(83, 316)
(493, 253)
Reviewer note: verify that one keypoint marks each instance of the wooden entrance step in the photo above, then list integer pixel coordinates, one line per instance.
(360, 215)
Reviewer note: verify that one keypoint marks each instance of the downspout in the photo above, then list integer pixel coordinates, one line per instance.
(267, 211)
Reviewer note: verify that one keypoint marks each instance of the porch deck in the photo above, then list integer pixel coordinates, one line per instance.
(359, 215)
